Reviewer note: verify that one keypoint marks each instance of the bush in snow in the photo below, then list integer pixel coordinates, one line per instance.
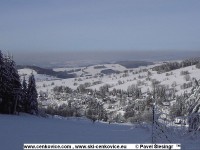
(62, 89)
(120, 82)
(198, 65)
(95, 111)
(65, 110)
(104, 90)
(184, 72)
(194, 122)
(119, 118)
(174, 84)
(81, 88)
(134, 91)
(139, 111)
(178, 108)
(186, 85)
(187, 77)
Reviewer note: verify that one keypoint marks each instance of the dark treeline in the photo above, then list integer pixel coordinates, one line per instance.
(15, 96)
(134, 64)
(176, 65)
(59, 74)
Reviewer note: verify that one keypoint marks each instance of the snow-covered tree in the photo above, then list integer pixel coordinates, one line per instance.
(178, 108)
(194, 122)
(32, 96)
(96, 111)
(10, 86)
(2, 84)
(24, 101)
(12, 97)
(193, 109)
(104, 89)
(148, 75)
(15, 86)
(134, 91)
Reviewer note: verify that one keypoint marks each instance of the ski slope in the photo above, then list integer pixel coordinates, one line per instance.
(17, 130)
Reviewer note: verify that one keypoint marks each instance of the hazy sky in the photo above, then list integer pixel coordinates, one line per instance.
(96, 25)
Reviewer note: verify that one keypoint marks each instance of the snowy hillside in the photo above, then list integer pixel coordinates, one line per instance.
(92, 70)
(118, 85)
(124, 78)
(38, 77)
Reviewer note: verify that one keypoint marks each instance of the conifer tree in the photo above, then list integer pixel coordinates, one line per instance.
(10, 86)
(24, 101)
(32, 96)
(16, 88)
(5, 88)
(1, 82)
(13, 92)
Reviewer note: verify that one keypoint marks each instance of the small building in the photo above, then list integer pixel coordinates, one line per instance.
(180, 120)
(166, 103)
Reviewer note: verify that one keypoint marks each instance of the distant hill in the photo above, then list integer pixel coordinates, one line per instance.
(39, 70)
(134, 64)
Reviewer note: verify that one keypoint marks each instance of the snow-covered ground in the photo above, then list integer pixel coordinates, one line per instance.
(26, 72)
(17, 130)
(92, 70)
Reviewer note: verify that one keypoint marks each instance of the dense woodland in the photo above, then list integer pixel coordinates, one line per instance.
(169, 66)
(16, 95)
(39, 70)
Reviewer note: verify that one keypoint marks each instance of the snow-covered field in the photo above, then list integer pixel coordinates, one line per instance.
(26, 72)
(17, 130)
(92, 70)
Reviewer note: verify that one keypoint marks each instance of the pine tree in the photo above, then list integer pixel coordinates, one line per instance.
(32, 96)
(24, 101)
(10, 86)
(13, 89)
(16, 87)
(1, 81)
(5, 85)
